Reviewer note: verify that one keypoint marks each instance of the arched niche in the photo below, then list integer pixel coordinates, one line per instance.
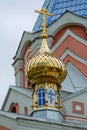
(24, 48)
(14, 108)
(26, 53)
(19, 64)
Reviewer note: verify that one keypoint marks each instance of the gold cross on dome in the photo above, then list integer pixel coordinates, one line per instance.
(45, 13)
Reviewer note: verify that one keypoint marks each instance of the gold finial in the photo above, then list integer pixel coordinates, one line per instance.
(44, 12)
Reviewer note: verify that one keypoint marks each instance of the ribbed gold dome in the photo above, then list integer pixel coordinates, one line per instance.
(45, 67)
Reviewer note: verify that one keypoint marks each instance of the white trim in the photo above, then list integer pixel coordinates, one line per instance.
(67, 18)
(67, 33)
(75, 119)
(70, 53)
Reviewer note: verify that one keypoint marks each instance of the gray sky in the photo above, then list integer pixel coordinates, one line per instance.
(16, 16)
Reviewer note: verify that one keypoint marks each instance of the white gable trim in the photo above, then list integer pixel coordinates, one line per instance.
(67, 33)
(80, 92)
(67, 18)
(70, 53)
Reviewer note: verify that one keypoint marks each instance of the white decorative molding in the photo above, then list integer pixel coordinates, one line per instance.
(67, 33)
(70, 53)
(66, 19)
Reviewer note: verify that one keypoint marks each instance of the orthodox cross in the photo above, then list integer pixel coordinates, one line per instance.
(51, 94)
(45, 13)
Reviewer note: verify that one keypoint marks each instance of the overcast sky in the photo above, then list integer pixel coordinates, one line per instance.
(16, 16)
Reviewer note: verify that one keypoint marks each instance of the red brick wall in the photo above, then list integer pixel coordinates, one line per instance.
(3, 128)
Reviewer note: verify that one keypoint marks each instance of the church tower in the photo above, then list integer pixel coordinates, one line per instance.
(45, 73)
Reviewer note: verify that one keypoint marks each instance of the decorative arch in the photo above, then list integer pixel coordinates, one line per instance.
(14, 108)
(64, 25)
(77, 29)
(19, 63)
(24, 48)
(26, 52)
(66, 19)
(70, 45)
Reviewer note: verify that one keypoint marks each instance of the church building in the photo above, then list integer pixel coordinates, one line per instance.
(50, 68)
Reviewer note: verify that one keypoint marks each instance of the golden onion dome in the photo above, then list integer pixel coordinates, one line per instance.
(45, 67)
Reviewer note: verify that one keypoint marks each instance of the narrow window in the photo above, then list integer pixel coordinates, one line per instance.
(41, 96)
(25, 111)
(13, 109)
